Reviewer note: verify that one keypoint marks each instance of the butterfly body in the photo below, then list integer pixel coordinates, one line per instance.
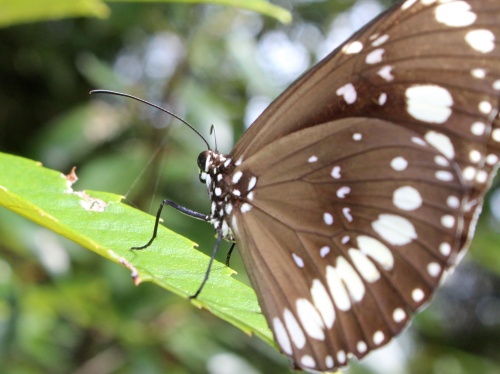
(359, 187)
(228, 189)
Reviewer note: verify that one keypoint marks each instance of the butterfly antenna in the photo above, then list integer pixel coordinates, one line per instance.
(155, 106)
(212, 130)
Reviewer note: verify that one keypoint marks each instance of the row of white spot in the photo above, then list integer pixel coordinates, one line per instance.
(252, 182)
(408, 198)
(438, 112)
(459, 14)
(346, 285)
(451, 14)
(480, 73)
(396, 229)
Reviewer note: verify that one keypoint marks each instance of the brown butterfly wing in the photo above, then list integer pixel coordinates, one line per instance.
(370, 173)
(345, 235)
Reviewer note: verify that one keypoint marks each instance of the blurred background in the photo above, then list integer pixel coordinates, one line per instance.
(63, 309)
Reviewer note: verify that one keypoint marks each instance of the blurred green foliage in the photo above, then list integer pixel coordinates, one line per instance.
(64, 309)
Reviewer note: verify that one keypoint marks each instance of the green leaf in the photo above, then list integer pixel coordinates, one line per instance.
(21, 11)
(260, 6)
(100, 222)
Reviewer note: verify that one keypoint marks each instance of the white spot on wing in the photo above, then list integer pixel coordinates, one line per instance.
(380, 40)
(307, 361)
(478, 73)
(455, 14)
(418, 141)
(375, 56)
(399, 315)
(364, 265)
(491, 159)
(445, 249)
(282, 336)
(417, 295)
(245, 207)
(399, 163)
(341, 356)
(495, 135)
(361, 347)
(453, 202)
(434, 269)
(441, 161)
(485, 107)
(251, 183)
(394, 229)
(469, 173)
(407, 198)
(376, 250)
(429, 103)
(378, 337)
(323, 303)
(329, 362)
(328, 218)
(351, 279)
(382, 99)
(407, 4)
(386, 73)
(343, 191)
(352, 47)
(324, 251)
(482, 176)
(441, 142)
(481, 40)
(311, 320)
(237, 176)
(337, 289)
(298, 260)
(448, 221)
(294, 330)
(475, 156)
(335, 172)
(444, 175)
(347, 213)
(312, 159)
(348, 92)
(478, 128)
(357, 137)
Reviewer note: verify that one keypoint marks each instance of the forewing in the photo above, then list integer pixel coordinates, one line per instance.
(351, 227)
(432, 66)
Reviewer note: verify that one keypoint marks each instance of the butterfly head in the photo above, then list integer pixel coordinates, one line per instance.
(229, 188)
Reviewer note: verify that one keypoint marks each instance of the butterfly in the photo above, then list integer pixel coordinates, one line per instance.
(359, 187)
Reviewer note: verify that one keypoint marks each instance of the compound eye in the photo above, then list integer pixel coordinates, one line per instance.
(202, 159)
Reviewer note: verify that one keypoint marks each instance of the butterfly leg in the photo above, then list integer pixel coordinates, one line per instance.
(228, 257)
(178, 207)
(207, 273)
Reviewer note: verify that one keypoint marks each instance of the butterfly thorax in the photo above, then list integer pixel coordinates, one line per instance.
(228, 188)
